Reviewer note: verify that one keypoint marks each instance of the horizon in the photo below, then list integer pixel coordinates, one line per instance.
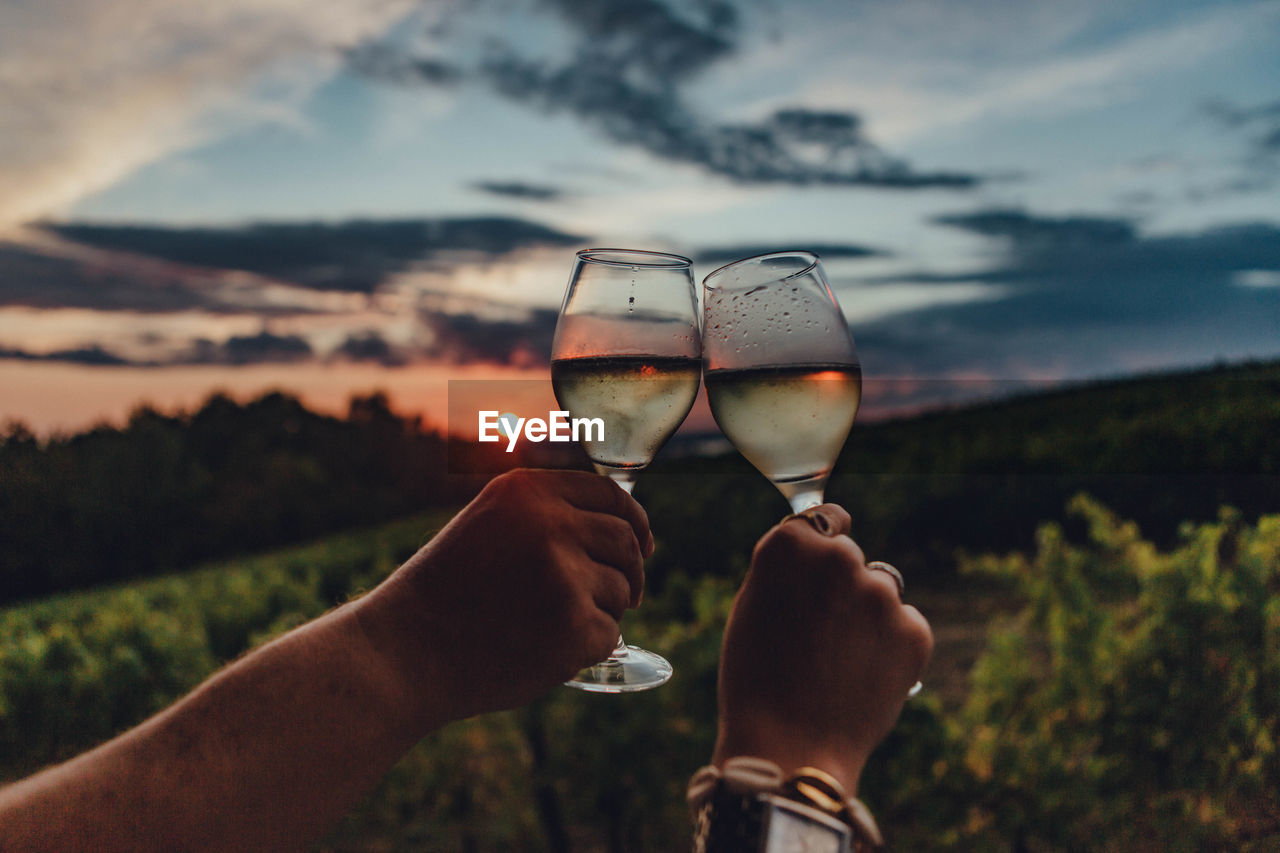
(332, 200)
(886, 401)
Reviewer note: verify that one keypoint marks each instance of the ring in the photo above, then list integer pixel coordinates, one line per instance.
(880, 566)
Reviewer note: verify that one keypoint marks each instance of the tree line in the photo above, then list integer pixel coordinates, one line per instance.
(166, 491)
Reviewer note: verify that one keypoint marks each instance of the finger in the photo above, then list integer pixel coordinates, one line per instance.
(890, 571)
(827, 519)
(595, 493)
(609, 590)
(880, 590)
(793, 542)
(600, 640)
(917, 637)
(855, 551)
(612, 541)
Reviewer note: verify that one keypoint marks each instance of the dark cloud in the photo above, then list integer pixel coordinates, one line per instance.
(380, 62)
(623, 76)
(471, 337)
(1259, 127)
(782, 149)
(1029, 234)
(32, 278)
(1090, 295)
(91, 355)
(1234, 115)
(519, 189)
(719, 255)
(355, 255)
(261, 348)
(371, 346)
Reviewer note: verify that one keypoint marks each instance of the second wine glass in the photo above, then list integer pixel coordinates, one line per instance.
(782, 373)
(627, 350)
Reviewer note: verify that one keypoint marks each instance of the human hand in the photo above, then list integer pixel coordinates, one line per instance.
(518, 592)
(819, 652)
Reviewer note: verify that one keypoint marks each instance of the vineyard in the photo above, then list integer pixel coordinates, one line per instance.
(1133, 695)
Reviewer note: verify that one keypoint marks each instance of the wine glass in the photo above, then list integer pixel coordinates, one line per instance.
(627, 350)
(782, 373)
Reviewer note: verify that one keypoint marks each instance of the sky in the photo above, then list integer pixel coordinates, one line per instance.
(334, 197)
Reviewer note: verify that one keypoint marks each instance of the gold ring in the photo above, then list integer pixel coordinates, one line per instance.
(880, 566)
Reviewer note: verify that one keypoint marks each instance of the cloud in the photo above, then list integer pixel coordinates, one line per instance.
(720, 255)
(1030, 234)
(91, 354)
(377, 61)
(471, 337)
(91, 91)
(623, 72)
(238, 350)
(34, 279)
(1265, 116)
(1088, 295)
(261, 348)
(520, 190)
(369, 345)
(1258, 127)
(355, 255)
(146, 294)
(920, 68)
(518, 337)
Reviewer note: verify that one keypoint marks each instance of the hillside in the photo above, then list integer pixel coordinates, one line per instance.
(1162, 450)
(169, 491)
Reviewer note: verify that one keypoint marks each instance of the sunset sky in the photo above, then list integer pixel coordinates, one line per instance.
(332, 197)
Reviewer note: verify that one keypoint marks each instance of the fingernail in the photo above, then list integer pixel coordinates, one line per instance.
(820, 522)
(817, 519)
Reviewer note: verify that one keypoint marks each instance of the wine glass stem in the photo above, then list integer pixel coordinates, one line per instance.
(627, 482)
(805, 500)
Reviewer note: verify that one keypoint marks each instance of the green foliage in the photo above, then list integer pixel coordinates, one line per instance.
(1133, 703)
(77, 669)
(1136, 698)
(166, 492)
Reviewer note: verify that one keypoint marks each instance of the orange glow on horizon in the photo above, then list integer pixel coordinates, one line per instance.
(66, 398)
(52, 398)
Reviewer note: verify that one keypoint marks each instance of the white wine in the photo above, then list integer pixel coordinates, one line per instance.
(642, 400)
(789, 421)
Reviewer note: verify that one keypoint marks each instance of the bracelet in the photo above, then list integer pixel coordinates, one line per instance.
(746, 781)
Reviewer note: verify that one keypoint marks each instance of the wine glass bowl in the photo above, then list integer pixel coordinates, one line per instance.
(627, 350)
(781, 369)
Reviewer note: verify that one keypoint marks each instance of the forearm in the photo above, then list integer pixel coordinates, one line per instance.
(266, 755)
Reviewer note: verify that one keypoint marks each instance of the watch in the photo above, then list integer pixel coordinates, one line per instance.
(751, 808)
(767, 823)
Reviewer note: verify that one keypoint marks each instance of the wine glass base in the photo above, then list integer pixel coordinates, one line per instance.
(636, 669)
